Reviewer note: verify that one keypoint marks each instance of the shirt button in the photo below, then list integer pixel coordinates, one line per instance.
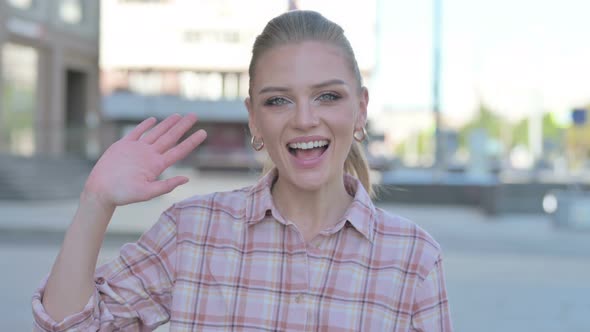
(299, 298)
(100, 280)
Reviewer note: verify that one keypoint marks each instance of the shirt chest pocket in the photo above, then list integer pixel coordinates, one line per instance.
(245, 285)
(354, 296)
(207, 281)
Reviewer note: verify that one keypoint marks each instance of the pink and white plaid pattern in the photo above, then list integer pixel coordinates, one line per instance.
(229, 261)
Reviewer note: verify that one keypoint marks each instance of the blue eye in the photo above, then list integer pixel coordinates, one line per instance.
(276, 101)
(328, 97)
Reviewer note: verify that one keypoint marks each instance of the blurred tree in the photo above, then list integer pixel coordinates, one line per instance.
(520, 133)
(425, 141)
(578, 144)
(486, 119)
(418, 145)
(497, 128)
(551, 131)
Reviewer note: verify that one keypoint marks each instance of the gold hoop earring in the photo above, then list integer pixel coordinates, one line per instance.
(257, 143)
(360, 135)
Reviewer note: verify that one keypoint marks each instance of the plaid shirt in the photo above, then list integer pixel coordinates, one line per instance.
(229, 261)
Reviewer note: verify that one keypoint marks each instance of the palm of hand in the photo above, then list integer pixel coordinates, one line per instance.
(128, 171)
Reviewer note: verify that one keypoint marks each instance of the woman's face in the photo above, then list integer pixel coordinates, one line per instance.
(305, 104)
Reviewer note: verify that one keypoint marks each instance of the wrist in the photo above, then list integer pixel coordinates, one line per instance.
(93, 214)
(94, 200)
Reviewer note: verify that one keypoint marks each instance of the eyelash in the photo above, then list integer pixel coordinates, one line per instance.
(332, 97)
(275, 101)
(279, 101)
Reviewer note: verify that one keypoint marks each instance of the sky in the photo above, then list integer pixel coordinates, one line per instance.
(516, 56)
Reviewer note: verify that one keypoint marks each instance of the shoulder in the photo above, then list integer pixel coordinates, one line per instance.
(406, 241)
(231, 203)
(217, 211)
(393, 226)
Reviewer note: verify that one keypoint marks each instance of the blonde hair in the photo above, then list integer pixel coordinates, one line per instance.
(304, 25)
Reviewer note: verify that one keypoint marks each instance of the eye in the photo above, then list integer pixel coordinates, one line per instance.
(328, 96)
(276, 101)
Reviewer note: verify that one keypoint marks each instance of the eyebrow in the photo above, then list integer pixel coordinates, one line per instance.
(315, 86)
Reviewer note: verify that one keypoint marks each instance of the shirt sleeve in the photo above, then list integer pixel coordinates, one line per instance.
(431, 311)
(133, 292)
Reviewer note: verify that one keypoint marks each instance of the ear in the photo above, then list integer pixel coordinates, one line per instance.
(251, 119)
(361, 118)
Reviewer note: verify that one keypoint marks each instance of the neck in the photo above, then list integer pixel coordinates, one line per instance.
(311, 210)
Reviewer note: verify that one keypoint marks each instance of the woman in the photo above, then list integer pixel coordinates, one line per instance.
(302, 249)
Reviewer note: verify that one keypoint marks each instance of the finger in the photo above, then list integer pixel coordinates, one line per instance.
(141, 128)
(184, 148)
(162, 187)
(167, 140)
(152, 135)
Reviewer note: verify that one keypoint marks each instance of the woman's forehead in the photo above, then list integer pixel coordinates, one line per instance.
(304, 63)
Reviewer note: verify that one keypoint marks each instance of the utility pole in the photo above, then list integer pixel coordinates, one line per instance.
(440, 153)
(535, 136)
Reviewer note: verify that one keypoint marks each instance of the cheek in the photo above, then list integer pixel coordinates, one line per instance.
(344, 122)
(271, 134)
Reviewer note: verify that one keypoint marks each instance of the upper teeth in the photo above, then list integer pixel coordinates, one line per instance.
(308, 145)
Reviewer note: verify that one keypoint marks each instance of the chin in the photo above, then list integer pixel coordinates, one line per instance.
(311, 180)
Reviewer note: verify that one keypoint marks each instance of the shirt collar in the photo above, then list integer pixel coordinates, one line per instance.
(360, 214)
(259, 199)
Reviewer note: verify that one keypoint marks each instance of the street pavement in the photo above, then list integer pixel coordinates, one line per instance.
(504, 273)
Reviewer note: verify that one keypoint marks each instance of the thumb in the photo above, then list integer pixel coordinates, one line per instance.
(159, 188)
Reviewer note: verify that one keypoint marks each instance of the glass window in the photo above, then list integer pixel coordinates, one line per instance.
(146, 83)
(188, 85)
(22, 4)
(212, 36)
(205, 86)
(19, 98)
(71, 11)
(244, 85)
(230, 86)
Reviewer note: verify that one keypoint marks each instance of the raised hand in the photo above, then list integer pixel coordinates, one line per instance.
(128, 170)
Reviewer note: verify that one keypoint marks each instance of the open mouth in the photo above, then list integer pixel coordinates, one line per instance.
(308, 150)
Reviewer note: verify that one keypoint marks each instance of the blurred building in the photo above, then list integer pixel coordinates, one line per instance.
(180, 56)
(49, 93)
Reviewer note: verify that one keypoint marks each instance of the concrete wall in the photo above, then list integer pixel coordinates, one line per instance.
(60, 47)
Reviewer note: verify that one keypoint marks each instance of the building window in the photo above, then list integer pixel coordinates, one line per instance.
(22, 4)
(19, 98)
(71, 11)
(231, 86)
(244, 85)
(205, 86)
(212, 37)
(146, 83)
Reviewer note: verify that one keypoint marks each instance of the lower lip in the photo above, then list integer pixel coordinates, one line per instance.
(309, 163)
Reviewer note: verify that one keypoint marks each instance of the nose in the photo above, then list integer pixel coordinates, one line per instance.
(305, 116)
